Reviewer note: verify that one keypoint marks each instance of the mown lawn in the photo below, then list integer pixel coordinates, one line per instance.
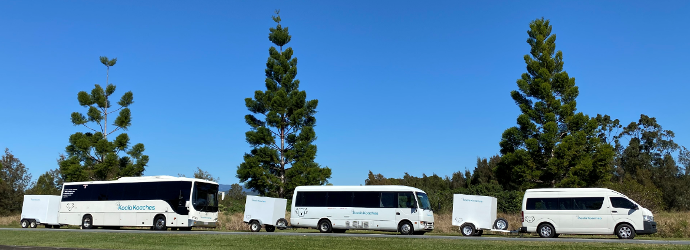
(197, 241)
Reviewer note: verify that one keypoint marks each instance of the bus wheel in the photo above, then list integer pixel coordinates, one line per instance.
(406, 228)
(32, 224)
(254, 226)
(270, 228)
(159, 223)
(24, 223)
(467, 229)
(325, 226)
(87, 222)
(625, 231)
(546, 231)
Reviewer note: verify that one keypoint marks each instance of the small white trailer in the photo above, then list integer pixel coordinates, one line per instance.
(474, 214)
(40, 210)
(265, 211)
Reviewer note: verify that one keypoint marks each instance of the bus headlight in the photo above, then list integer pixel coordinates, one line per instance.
(649, 218)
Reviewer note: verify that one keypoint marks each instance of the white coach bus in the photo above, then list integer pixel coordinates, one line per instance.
(553, 211)
(159, 202)
(382, 208)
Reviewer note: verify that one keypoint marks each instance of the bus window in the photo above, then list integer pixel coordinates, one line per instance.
(389, 200)
(339, 199)
(366, 199)
(405, 200)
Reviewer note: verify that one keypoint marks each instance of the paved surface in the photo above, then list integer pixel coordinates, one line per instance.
(510, 238)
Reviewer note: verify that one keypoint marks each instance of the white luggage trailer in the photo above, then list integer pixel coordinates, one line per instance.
(266, 211)
(40, 210)
(474, 214)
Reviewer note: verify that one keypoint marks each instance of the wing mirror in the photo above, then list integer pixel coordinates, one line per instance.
(222, 195)
(636, 207)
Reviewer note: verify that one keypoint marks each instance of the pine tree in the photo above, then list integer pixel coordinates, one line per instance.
(90, 155)
(283, 153)
(552, 146)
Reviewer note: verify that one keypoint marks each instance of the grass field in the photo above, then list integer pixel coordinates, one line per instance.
(178, 241)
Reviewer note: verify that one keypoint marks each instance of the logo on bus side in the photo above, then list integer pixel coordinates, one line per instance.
(301, 211)
(364, 212)
(134, 207)
(70, 206)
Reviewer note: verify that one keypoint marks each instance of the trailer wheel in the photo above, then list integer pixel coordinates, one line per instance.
(24, 223)
(501, 224)
(270, 228)
(467, 229)
(32, 224)
(87, 222)
(254, 226)
(282, 223)
(325, 226)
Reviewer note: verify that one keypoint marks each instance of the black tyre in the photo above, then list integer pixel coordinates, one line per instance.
(33, 224)
(87, 222)
(501, 224)
(254, 226)
(406, 228)
(270, 228)
(339, 231)
(546, 230)
(281, 223)
(24, 223)
(468, 229)
(159, 223)
(325, 226)
(625, 231)
(479, 233)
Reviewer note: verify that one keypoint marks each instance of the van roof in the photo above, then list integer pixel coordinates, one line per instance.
(579, 190)
(359, 188)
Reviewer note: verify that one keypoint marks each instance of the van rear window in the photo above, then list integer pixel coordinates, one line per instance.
(579, 203)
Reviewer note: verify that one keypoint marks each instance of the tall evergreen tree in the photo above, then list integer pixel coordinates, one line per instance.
(283, 153)
(14, 181)
(552, 146)
(90, 155)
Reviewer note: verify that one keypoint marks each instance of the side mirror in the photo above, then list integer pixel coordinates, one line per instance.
(222, 195)
(636, 207)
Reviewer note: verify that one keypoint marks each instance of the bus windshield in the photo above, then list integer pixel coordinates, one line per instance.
(205, 197)
(423, 201)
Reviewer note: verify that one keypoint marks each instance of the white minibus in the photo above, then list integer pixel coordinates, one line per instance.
(159, 202)
(553, 211)
(382, 208)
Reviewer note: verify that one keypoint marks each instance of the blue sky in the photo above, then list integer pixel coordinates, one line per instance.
(403, 86)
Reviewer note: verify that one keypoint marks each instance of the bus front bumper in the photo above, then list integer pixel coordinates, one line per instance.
(196, 223)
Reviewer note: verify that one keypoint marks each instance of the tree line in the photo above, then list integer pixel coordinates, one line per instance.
(553, 145)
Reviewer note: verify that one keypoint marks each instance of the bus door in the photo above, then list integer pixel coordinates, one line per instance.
(406, 208)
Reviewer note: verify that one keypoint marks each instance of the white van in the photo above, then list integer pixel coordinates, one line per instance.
(382, 208)
(553, 211)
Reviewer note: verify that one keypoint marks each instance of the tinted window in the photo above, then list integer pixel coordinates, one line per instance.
(589, 203)
(366, 199)
(620, 202)
(312, 199)
(542, 204)
(405, 199)
(339, 199)
(389, 200)
(167, 191)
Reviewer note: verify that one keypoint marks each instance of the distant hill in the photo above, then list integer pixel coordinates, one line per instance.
(226, 187)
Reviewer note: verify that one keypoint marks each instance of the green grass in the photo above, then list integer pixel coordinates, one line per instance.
(186, 241)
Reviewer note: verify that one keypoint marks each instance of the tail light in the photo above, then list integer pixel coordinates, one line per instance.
(522, 216)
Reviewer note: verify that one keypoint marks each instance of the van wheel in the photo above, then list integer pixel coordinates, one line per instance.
(87, 222)
(625, 231)
(501, 224)
(24, 223)
(406, 228)
(270, 228)
(467, 229)
(254, 226)
(325, 226)
(159, 223)
(546, 231)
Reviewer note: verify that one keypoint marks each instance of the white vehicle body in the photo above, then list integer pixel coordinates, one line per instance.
(382, 208)
(266, 211)
(40, 209)
(475, 213)
(137, 201)
(583, 211)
